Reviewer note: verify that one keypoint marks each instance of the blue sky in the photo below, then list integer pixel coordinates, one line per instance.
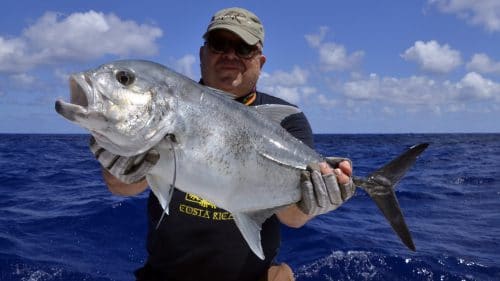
(352, 66)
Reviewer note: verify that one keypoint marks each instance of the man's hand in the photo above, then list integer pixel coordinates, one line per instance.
(326, 186)
(131, 169)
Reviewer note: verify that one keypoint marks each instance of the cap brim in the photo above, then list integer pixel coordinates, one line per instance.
(248, 37)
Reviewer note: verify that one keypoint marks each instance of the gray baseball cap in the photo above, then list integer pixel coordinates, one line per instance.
(242, 22)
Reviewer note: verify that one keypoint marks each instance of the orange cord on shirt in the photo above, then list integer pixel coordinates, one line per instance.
(249, 99)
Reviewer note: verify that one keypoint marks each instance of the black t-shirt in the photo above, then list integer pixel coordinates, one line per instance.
(199, 241)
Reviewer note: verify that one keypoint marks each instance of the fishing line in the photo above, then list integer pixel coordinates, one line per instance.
(172, 186)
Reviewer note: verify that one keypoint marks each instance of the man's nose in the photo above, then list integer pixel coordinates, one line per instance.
(230, 52)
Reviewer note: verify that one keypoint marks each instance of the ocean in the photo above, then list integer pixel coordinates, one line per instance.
(59, 222)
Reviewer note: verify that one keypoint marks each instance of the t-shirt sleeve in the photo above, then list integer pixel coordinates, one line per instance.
(298, 126)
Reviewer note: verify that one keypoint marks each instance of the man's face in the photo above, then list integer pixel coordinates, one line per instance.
(228, 64)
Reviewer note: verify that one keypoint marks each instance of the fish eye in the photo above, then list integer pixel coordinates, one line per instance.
(126, 78)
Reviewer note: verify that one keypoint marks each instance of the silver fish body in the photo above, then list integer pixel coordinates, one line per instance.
(235, 156)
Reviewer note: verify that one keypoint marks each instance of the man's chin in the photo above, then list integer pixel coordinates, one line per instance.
(229, 84)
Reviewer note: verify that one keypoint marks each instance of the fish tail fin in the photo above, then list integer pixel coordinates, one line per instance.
(380, 187)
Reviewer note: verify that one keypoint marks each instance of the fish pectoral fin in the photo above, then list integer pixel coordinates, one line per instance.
(250, 225)
(164, 194)
(289, 162)
(276, 112)
(282, 151)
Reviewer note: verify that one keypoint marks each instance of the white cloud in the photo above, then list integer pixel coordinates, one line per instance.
(333, 56)
(433, 57)
(290, 94)
(326, 102)
(24, 82)
(414, 90)
(388, 110)
(77, 37)
(290, 86)
(315, 40)
(482, 12)
(419, 92)
(23, 79)
(296, 77)
(62, 75)
(474, 86)
(185, 65)
(483, 64)
(12, 55)
(20, 82)
(308, 91)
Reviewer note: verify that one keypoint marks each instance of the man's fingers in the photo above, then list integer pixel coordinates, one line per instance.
(334, 193)
(152, 156)
(343, 171)
(94, 147)
(124, 166)
(127, 169)
(308, 202)
(342, 178)
(320, 191)
(348, 190)
(106, 158)
(326, 187)
(346, 167)
(325, 169)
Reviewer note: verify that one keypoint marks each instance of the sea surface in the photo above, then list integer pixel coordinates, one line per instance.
(59, 222)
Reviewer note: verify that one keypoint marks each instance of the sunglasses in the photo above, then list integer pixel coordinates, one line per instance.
(220, 45)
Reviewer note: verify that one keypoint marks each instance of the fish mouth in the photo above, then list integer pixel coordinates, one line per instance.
(80, 91)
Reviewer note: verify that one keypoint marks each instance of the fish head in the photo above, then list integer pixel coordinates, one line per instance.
(126, 105)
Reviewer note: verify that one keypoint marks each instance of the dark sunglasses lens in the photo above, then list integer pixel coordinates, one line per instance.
(218, 46)
(244, 50)
(221, 45)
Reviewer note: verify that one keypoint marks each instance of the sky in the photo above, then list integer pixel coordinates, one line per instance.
(352, 66)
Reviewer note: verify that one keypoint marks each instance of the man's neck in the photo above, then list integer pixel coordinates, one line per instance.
(246, 100)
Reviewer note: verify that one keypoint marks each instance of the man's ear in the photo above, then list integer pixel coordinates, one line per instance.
(200, 53)
(262, 61)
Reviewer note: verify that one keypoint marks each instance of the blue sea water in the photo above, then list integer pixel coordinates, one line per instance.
(59, 222)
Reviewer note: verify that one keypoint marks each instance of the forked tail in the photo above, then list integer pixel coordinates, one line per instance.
(380, 186)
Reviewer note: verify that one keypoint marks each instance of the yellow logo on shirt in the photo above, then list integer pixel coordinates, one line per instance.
(200, 201)
(203, 209)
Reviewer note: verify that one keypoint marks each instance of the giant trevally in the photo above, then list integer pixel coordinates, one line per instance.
(237, 157)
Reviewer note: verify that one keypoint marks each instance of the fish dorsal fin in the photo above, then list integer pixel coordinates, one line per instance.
(250, 224)
(277, 112)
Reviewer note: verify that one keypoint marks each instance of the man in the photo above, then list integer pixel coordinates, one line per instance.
(198, 240)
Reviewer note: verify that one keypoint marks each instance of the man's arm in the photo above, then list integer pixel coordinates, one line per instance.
(293, 215)
(125, 176)
(118, 187)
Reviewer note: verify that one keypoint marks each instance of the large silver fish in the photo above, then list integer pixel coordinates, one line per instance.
(237, 157)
